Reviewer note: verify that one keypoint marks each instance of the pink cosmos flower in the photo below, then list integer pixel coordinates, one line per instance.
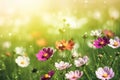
(114, 43)
(74, 75)
(44, 54)
(105, 73)
(81, 61)
(101, 42)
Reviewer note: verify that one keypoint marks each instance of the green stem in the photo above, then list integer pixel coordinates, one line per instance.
(86, 74)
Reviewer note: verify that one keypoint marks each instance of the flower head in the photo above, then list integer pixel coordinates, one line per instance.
(105, 73)
(20, 50)
(101, 42)
(65, 45)
(96, 33)
(74, 75)
(81, 61)
(48, 76)
(114, 43)
(61, 45)
(44, 54)
(70, 45)
(22, 61)
(108, 33)
(62, 65)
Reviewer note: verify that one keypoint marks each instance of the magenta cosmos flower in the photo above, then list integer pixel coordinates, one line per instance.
(47, 76)
(105, 73)
(44, 54)
(101, 42)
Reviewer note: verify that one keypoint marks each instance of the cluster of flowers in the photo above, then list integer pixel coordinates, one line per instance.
(103, 38)
(22, 60)
(46, 53)
(104, 73)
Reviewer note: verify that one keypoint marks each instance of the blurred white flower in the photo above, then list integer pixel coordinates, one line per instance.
(97, 15)
(74, 75)
(76, 46)
(81, 61)
(90, 44)
(6, 44)
(75, 54)
(114, 43)
(114, 13)
(62, 65)
(20, 50)
(22, 61)
(96, 33)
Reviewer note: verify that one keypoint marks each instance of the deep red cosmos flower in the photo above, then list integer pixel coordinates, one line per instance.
(47, 76)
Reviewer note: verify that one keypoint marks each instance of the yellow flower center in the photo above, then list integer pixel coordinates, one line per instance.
(105, 75)
(22, 62)
(47, 76)
(115, 44)
(109, 34)
(74, 77)
(102, 42)
(45, 54)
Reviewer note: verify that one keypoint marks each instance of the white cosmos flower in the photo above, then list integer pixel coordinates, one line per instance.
(22, 61)
(6, 44)
(75, 54)
(96, 33)
(114, 43)
(62, 65)
(81, 61)
(74, 75)
(20, 50)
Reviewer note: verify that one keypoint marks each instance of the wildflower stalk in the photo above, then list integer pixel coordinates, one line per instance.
(86, 74)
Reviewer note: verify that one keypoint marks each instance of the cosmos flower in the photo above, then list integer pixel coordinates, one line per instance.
(105, 73)
(61, 45)
(47, 76)
(20, 50)
(70, 45)
(114, 43)
(65, 45)
(22, 61)
(108, 33)
(96, 33)
(75, 54)
(62, 65)
(81, 61)
(74, 75)
(44, 54)
(101, 42)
